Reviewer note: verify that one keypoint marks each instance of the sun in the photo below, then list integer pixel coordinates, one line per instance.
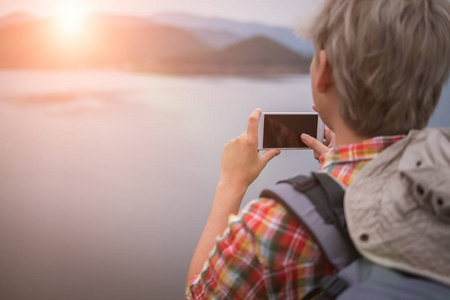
(71, 19)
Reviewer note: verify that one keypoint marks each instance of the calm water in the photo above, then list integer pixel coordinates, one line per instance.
(106, 178)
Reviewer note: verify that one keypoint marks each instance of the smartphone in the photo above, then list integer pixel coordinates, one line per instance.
(282, 130)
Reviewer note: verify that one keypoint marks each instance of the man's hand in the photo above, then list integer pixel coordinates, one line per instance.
(241, 161)
(318, 147)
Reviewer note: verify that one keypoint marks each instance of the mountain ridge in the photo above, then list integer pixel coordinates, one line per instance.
(225, 28)
(280, 34)
(256, 55)
(136, 43)
(105, 43)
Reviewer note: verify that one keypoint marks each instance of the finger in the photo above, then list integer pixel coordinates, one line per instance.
(327, 138)
(252, 126)
(269, 154)
(316, 155)
(314, 144)
(330, 138)
(327, 134)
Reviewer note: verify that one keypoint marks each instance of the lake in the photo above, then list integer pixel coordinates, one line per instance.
(107, 178)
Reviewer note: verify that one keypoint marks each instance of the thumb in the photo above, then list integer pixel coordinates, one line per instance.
(269, 154)
(314, 144)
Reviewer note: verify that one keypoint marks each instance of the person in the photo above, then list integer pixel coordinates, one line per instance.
(377, 73)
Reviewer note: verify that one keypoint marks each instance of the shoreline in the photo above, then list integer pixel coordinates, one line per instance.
(183, 69)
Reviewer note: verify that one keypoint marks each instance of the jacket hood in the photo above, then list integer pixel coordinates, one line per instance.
(398, 207)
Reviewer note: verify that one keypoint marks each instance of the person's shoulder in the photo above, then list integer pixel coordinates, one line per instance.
(278, 236)
(265, 210)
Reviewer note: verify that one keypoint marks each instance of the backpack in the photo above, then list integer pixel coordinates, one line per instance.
(317, 203)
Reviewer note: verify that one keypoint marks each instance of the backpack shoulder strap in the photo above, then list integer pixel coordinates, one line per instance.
(317, 203)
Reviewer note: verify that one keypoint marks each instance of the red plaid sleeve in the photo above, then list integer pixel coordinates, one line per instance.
(264, 253)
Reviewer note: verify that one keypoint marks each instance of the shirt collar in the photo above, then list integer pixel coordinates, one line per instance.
(363, 151)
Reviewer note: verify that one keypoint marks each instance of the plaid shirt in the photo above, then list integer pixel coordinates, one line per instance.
(265, 253)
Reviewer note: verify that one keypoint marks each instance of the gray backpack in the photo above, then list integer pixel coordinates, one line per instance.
(317, 203)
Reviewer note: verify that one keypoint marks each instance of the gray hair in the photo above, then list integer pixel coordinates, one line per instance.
(390, 59)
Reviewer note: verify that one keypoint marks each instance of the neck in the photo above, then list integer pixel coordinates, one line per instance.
(345, 135)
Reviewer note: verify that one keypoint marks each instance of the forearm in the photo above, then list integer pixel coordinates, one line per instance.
(241, 165)
(227, 200)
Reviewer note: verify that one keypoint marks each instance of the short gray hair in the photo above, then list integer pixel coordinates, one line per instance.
(390, 59)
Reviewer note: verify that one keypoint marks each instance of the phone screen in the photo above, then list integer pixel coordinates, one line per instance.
(283, 131)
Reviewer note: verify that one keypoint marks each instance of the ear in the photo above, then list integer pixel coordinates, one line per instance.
(324, 73)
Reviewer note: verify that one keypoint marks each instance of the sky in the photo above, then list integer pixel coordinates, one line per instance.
(272, 12)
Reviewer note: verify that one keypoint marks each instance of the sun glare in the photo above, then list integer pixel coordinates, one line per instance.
(71, 19)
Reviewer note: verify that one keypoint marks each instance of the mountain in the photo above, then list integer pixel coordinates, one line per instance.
(282, 35)
(103, 43)
(257, 55)
(216, 38)
(137, 43)
(16, 18)
(216, 32)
